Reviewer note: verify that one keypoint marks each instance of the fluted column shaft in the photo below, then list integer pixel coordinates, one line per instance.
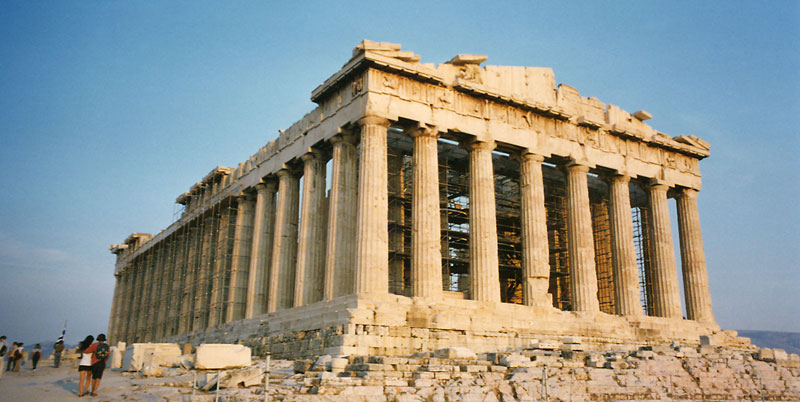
(113, 321)
(284, 248)
(666, 296)
(580, 244)
(484, 275)
(261, 251)
(426, 246)
(623, 253)
(237, 297)
(535, 253)
(372, 233)
(310, 273)
(693, 258)
(340, 256)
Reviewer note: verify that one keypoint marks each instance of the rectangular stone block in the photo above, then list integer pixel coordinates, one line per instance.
(159, 354)
(220, 356)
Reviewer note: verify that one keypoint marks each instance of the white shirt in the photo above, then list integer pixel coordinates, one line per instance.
(86, 359)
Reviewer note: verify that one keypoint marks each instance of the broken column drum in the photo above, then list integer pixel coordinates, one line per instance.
(479, 206)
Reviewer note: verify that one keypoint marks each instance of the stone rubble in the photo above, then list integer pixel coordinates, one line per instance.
(649, 373)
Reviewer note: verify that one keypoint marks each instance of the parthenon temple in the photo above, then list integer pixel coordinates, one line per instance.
(421, 206)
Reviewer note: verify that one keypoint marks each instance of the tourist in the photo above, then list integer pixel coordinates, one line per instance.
(10, 356)
(36, 354)
(3, 351)
(85, 365)
(100, 352)
(58, 348)
(18, 356)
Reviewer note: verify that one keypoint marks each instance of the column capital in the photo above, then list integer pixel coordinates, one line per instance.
(374, 120)
(574, 166)
(313, 154)
(422, 130)
(287, 171)
(475, 144)
(245, 195)
(343, 137)
(526, 156)
(658, 186)
(268, 184)
(684, 192)
(618, 178)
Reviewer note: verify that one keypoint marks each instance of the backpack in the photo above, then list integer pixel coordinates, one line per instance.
(101, 353)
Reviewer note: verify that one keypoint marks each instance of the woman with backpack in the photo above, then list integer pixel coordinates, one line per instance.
(100, 352)
(85, 365)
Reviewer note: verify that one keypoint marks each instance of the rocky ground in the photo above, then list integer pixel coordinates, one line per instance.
(541, 372)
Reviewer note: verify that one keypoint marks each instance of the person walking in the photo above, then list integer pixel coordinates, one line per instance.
(17, 356)
(100, 352)
(58, 349)
(36, 354)
(85, 366)
(3, 353)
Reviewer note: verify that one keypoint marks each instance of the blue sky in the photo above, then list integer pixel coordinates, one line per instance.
(110, 110)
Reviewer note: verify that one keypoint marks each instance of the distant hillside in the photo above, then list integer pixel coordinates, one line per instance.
(789, 341)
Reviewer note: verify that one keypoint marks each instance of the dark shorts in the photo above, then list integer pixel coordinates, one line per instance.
(97, 369)
(84, 368)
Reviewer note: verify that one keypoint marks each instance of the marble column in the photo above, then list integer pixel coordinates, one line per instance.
(535, 253)
(372, 232)
(113, 321)
(484, 266)
(310, 274)
(693, 258)
(340, 256)
(580, 241)
(623, 253)
(243, 233)
(666, 296)
(426, 246)
(261, 251)
(284, 248)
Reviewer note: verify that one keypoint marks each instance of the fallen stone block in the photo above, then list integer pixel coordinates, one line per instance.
(151, 370)
(301, 366)
(546, 345)
(323, 363)
(160, 354)
(455, 353)
(766, 354)
(116, 357)
(221, 356)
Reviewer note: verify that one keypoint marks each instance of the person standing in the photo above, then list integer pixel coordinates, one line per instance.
(58, 349)
(10, 356)
(85, 365)
(100, 352)
(3, 352)
(36, 354)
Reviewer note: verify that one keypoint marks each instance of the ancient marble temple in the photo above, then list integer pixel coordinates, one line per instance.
(421, 206)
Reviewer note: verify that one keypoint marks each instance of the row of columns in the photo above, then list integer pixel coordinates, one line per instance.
(316, 277)
(341, 246)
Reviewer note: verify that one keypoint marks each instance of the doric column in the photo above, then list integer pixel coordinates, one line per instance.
(623, 254)
(261, 251)
(693, 258)
(535, 253)
(284, 248)
(426, 245)
(666, 296)
(372, 232)
(310, 275)
(484, 266)
(243, 233)
(340, 256)
(580, 244)
(113, 321)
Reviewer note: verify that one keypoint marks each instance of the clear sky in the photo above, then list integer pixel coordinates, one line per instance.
(110, 110)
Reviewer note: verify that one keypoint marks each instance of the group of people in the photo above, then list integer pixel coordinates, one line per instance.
(93, 357)
(92, 363)
(15, 355)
